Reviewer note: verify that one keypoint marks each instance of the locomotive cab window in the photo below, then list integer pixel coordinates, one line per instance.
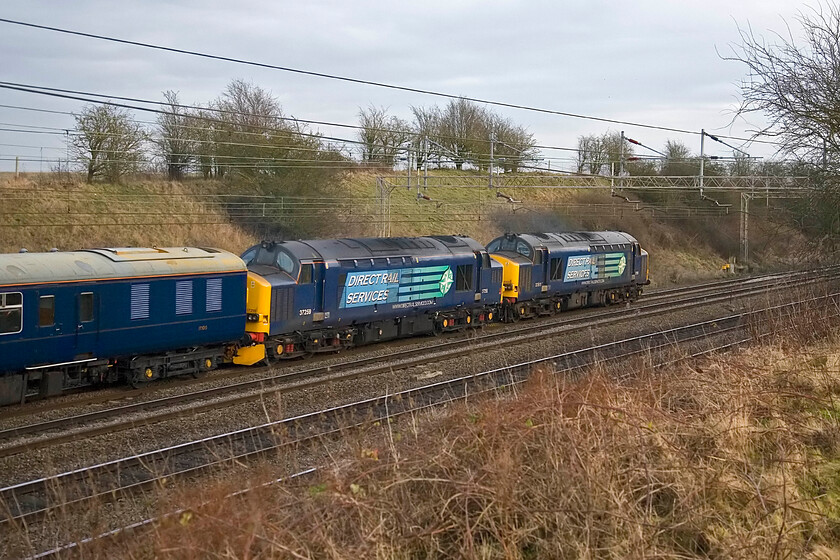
(523, 249)
(46, 311)
(86, 307)
(11, 313)
(464, 278)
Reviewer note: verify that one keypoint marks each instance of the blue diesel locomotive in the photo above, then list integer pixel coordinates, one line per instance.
(324, 295)
(549, 272)
(77, 318)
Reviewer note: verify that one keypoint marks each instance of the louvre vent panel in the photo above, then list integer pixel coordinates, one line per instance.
(524, 278)
(183, 297)
(140, 301)
(282, 304)
(214, 294)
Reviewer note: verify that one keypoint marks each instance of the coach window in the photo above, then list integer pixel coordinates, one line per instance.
(464, 278)
(46, 311)
(86, 307)
(11, 313)
(305, 274)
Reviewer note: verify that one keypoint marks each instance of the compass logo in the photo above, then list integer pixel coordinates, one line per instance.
(622, 264)
(446, 281)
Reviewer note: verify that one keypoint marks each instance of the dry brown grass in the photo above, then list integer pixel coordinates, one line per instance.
(731, 457)
(47, 212)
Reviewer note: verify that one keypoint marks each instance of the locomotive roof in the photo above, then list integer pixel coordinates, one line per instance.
(373, 247)
(127, 262)
(573, 238)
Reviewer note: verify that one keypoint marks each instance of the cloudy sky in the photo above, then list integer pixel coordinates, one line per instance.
(646, 61)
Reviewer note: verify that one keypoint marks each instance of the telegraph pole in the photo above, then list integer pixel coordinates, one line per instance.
(492, 145)
(702, 158)
(621, 162)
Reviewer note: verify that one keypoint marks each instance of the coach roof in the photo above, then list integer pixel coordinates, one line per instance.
(129, 262)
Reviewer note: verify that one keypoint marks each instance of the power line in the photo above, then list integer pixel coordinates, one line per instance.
(356, 80)
(59, 92)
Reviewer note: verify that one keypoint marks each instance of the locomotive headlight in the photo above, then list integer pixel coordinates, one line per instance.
(253, 317)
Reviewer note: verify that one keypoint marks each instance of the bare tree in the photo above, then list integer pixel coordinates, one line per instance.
(678, 160)
(175, 141)
(797, 86)
(590, 154)
(426, 126)
(601, 154)
(382, 137)
(514, 146)
(463, 132)
(107, 142)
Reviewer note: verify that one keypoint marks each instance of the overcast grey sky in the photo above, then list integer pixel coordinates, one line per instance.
(644, 61)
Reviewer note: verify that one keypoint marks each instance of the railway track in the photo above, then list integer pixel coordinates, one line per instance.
(30, 501)
(53, 432)
(111, 395)
(102, 396)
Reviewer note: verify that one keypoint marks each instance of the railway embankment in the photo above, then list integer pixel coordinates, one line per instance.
(42, 212)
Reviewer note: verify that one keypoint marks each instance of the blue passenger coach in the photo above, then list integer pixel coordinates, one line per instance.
(76, 318)
(322, 295)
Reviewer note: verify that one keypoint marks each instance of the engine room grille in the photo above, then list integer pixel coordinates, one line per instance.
(140, 301)
(524, 278)
(282, 304)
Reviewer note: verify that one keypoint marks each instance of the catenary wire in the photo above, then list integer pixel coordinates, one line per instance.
(355, 80)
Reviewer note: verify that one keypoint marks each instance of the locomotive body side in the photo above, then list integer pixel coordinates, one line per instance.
(323, 295)
(74, 318)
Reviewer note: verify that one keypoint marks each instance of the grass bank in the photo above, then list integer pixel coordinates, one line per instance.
(45, 211)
